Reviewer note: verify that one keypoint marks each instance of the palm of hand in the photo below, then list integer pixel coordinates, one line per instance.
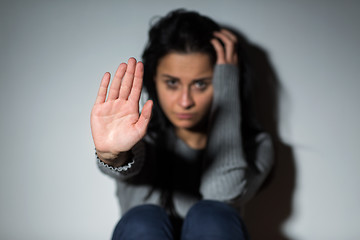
(115, 123)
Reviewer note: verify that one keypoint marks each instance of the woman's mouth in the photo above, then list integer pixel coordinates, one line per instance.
(184, 116)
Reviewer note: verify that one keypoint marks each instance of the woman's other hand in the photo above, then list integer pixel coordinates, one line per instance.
(115, 122)
(227, 54)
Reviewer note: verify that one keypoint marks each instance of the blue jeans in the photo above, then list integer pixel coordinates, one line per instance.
(206, 220)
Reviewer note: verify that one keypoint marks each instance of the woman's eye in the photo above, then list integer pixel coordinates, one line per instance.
(200, 85)
(172, 83)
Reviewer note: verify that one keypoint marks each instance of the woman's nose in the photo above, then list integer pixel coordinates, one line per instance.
(185, 100)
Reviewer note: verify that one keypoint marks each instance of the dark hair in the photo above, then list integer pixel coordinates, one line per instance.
(180, 31)
(184, 31)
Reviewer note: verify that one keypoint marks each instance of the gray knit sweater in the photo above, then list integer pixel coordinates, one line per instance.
(220, 172)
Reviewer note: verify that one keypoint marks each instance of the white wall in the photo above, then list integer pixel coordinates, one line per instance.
(52, 57)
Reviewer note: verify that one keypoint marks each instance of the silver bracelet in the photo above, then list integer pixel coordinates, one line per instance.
(118, 169)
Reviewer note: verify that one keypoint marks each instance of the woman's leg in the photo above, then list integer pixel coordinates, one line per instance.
(211, 220)
(145, 222)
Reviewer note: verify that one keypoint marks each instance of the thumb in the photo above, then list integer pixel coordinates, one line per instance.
(144, 118)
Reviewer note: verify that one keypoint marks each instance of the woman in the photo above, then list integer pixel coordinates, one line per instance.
(195, 155)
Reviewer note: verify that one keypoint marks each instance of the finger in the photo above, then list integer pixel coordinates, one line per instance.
(115, 84)
(219, 49)
(226, 36)
(234, 39)
(229, 34)
(229, 46)
(128, 79)
(103, 88)
(137, 84)
(144, 118)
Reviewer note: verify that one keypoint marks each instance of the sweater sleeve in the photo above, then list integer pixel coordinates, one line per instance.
(224, 174)
(129, 170)
(263, 162)
(227, 176)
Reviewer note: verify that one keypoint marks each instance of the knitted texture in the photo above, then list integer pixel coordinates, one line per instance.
(223, 171)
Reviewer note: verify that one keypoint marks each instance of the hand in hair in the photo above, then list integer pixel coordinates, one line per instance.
(227, 54)
(115, 122)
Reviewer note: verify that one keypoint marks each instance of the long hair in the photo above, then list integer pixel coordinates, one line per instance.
(182, 31)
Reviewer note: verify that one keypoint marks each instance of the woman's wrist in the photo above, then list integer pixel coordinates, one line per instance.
(115, 160)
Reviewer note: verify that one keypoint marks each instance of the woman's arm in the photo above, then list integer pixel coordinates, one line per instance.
(115, 122)
(227, 176)
(224, 176)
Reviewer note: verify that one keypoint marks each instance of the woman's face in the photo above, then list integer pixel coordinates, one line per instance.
(184, 87)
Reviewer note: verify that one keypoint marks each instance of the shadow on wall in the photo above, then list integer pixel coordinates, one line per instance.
(266, 214)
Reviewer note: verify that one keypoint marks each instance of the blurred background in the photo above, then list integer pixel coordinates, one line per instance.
(54, 53)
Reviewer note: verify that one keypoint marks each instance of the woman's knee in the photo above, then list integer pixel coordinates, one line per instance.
(208, 219)
(144, 222)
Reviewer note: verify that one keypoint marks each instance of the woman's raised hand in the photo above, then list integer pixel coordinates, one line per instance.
(227, 54)
(115, 122)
